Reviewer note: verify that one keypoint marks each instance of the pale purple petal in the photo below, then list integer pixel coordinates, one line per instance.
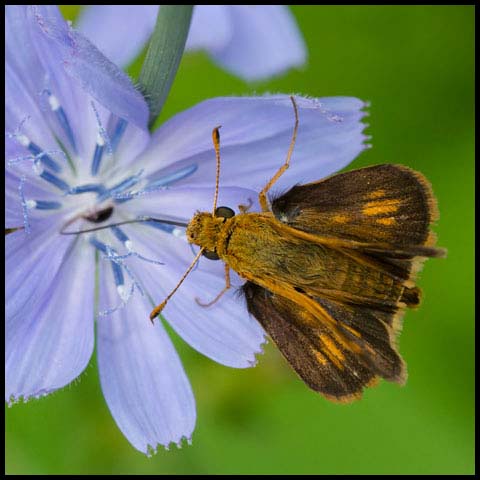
(32, 263)
(13, 207)
(119, 31)
(73, 74)
(224, 332)
(20, 52)
(254, 139)
(14, 212)
(251, 41)
(42, 71)
(142, 378)
(48, 343)
(58, 45)
(21, 109)
(210, 28)
(183, 202)
(265, 42)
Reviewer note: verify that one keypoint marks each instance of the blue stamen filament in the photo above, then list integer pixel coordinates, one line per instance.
(46, 159)
(43, 204)
(38, 155)
(97, 157)
(121, 236)
(87, 188)
(118, 265)
(128, 245)
(102, 142)
(174, 177)
(103, 138)
(120, 128)
(54, 180)
(59, 112)
(123, 185)
(159, 184)
(26, 224)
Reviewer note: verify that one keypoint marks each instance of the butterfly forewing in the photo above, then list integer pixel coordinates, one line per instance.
(385, 203)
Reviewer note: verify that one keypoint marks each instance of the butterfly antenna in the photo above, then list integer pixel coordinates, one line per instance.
(262, 196)
(216, 146)
(157, 310)
(295, 130)
(64, 231)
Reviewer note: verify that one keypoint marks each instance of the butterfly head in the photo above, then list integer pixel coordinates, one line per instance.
(203, 230)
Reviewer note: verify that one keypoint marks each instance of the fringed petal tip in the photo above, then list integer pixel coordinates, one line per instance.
(179, 444)
(365, 112)
(253, 361)
(13, 399)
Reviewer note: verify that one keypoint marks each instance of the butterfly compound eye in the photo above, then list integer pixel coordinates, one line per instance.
(210, 255)
(225, 212)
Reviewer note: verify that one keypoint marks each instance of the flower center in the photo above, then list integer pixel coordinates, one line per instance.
(96, 198)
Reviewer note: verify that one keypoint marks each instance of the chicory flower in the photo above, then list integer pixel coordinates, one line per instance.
(253, 42)
(79, 155)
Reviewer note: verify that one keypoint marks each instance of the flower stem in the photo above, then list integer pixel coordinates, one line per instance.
(163, 55)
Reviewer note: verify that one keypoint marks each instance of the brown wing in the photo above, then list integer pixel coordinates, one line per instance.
(384, 203)
(390, 205)
(340, 362)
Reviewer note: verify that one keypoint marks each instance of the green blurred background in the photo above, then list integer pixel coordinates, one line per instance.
(416, 66)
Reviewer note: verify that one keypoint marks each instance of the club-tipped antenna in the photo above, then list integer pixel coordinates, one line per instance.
(157, 310)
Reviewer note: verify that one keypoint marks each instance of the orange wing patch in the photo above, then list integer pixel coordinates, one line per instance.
(375, 194)
(386, 221)
(380, 207)
(341, 218)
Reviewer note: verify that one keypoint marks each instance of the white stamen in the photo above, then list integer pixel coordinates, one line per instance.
(38, 168)
(100, 140)
(23, 140)
(122, 293)
(129, 245)
(53, 102)
(30, 203)
(178, 232)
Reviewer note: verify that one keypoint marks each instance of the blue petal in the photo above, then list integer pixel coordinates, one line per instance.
(58, 45)
(22, 113)
(182, 202)
(118, 31)
(142, 378)
(224, 332)
(32, 262)
(255, 136)
(265, 42)
(50, 340)
(210, 29)
(14, 214)
(253, 42)
(62, 64)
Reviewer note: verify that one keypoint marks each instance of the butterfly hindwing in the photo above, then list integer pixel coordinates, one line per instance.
(338, 362)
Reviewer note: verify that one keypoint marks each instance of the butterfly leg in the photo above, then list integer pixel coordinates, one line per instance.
(246, 208)
(227, 287)
(262, 196)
